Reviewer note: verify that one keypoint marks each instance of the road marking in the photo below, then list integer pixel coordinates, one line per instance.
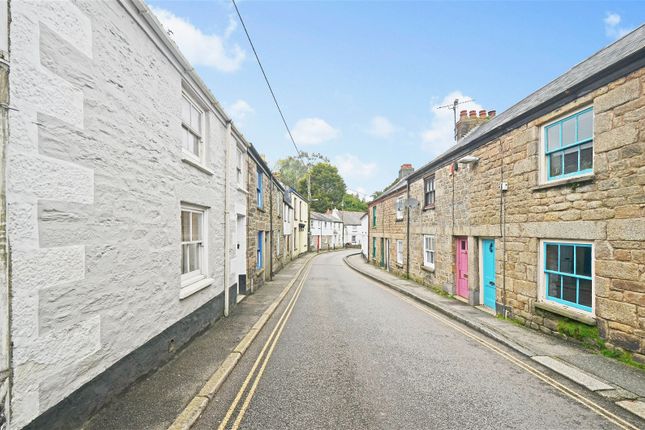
(530, 369)
(262, 358)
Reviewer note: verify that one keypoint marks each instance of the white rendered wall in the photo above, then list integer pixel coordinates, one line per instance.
(94, 185)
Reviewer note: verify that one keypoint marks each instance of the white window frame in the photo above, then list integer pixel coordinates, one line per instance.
(399, 251)
(542, 277)
(429, 252)
(239, 167)
(194, 281)
(277, 247)
(399, 208)
(198, 133)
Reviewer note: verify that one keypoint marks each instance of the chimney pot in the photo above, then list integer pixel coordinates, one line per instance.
(491, 113)
(473, 114)
(463, 114)
(482, 114)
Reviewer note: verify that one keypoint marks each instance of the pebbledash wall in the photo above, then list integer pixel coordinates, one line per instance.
(602, 208)
(96, 179)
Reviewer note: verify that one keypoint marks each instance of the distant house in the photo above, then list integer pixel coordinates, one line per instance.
(351, 226)
(363, 234)
(326, 231)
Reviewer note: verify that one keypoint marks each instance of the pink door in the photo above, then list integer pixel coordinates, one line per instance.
(462, 267)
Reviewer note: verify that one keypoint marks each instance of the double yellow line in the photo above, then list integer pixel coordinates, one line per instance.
(261, 362)
(528, 368)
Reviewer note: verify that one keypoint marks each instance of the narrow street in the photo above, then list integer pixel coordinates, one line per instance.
(354, 355)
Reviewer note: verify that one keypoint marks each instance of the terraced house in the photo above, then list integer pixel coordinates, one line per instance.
(538, 212)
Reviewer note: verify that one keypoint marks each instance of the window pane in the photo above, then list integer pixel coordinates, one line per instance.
(195, 118)
(586, 156)
(569, 132)
(185, 111)
(569, 286)
(185, 226)
(584, 294)
(556, 164)
(197, 226)
(571, 160)
(554, 285)
(193, 260)
(585, 126)
(553, 137)
(583, 260)
(566, 258)
(552, 257)
(184, 259)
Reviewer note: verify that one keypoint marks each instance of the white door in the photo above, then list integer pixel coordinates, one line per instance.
(239, 264)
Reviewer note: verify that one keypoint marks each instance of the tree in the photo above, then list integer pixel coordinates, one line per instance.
(353, 203)
(327, 187)
(291, 170)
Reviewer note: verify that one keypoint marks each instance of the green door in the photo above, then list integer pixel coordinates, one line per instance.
(382, 253)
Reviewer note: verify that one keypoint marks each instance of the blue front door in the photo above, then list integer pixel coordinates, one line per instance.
(488, 255)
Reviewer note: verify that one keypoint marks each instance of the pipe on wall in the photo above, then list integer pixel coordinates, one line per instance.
(227, 226)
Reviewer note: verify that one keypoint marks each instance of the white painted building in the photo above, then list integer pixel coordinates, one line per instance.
(300, 222)
(116, 204)
(363, 233)
(351, 226)
(326, 231)
(237, 210)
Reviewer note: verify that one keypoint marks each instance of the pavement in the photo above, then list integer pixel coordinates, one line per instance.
(608, 378)
(346, 352)
(157, 400)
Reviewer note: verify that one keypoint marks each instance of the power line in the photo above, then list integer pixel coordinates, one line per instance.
(266, 79)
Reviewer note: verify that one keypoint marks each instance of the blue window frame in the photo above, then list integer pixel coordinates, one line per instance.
(259, 190)
(259, 250)
(567, 274)
(568, 146)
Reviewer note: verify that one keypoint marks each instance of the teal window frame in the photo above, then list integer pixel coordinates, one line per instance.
(374, 216)
(578, 277)
(260, 250)
(561, 150)
(374, 247)
(260, 190)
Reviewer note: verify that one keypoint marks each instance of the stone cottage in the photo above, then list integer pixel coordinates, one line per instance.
(539, 212)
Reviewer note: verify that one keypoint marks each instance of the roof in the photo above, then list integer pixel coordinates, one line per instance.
(324, 217)
(351, 217)
(621, 57)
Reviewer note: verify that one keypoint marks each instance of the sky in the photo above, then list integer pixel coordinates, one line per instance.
(360, 82)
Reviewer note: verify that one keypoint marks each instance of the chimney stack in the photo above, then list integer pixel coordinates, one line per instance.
(405, 170)
(469, 120)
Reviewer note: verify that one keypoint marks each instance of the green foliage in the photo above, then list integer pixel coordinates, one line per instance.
(327, 187)
(590, 337)
(353, 203)
(291, 170)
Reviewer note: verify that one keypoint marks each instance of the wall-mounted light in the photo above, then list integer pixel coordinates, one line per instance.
(469, 159)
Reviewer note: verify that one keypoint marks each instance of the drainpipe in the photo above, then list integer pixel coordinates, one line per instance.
(270, 177)
(407, 233)
(502, 225)
(227, 227)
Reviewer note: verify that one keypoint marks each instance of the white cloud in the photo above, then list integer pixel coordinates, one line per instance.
(613, 28)
(239, 111)
(381, 127)
(352, 167)
(313, 131)
(202, 49)
(440, 135)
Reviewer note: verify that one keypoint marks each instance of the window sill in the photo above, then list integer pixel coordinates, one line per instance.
(567, 181)
(565, 311)
(399, 265)
(242, 190)
(429, 207)
(259, 272)
(197, 165)
(427, 269)
(190, 289)
(399, 219)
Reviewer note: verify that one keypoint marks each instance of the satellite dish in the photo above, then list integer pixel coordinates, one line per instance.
(413, 203)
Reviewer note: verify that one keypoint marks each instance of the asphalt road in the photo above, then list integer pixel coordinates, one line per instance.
(354, 355)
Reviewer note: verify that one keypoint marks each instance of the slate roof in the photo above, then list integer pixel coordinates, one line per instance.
(351, 217)
(324, 217)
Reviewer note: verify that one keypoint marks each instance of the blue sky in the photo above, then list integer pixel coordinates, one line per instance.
(359, 81)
